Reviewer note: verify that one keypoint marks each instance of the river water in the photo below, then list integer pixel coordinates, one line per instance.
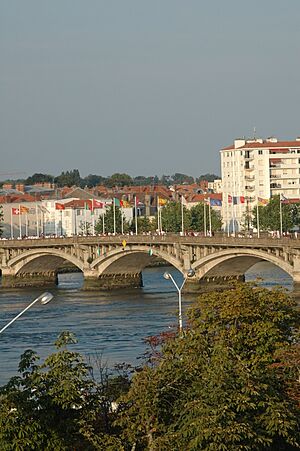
(111, 324)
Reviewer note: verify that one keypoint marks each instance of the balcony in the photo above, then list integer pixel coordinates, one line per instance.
(249, 178)
(249, 188)
(275, 185)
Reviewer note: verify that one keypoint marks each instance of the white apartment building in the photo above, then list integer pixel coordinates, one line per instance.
(257, 168)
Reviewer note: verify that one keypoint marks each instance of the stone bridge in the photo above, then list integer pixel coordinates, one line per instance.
(108, 262)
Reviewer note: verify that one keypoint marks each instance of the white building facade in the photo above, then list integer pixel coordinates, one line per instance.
(253, 169)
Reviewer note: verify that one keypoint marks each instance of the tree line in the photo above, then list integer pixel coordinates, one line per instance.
(73, 178)
(229, 381)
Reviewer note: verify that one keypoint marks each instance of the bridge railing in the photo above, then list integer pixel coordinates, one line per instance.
(168, 238)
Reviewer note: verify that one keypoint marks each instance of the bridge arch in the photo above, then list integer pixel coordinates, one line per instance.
(47, 259)
(233, 261)
(134, 258)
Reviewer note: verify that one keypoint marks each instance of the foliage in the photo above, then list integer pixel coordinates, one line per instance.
(197, 218)
(109, 221)
(220, 386)
(171, 217)
(39, 178)
(269, 215)
(180, 179)
(118, 179)
(57, 405)
(143, 224)
(93, 180)
(69, 178)
(208, 177)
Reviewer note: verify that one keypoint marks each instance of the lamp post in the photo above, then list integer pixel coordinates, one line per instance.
(43, 299)
(169, 276)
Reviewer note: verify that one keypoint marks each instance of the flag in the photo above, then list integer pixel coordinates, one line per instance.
(23, 210)
(207, 200)
(15, 211)
(215, 203)
(97, 204)
(229, 199)
(43, 209)
(117, 202)
(242, 199)
(162, 202)
(283, 198)
(236, 200)
(125, 204)
(262, 202)
(59, 206)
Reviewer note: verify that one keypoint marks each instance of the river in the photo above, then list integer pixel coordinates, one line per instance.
(111, 324)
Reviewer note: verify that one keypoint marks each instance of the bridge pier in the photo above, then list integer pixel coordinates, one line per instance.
(112, 281)
(213, 283)
(23, 280)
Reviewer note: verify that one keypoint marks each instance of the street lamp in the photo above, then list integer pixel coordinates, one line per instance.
(43, 299)
(169, 276)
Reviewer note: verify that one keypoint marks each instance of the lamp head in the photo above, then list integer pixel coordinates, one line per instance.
(191, 272)
(45, 298)
(167, 275)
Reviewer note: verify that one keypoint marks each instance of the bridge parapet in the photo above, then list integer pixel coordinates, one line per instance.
(101, 258)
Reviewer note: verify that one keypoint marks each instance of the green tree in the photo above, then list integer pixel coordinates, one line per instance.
(171, 215)
(208, 177)
(109, 221)
(218, 387)
(69, 178)
(39, 178)
(55, 406)
(197, 218)
(269, 215)
(179, 179)
(92, 180)
(118, 179)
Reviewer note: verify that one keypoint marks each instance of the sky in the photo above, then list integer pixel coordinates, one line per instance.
(143, 87)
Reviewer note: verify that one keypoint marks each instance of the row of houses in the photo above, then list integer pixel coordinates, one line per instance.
(48, 211)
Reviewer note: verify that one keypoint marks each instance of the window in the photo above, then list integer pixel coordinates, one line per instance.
(260, 152)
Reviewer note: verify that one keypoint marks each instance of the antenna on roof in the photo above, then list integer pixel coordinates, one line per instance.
(254, 132)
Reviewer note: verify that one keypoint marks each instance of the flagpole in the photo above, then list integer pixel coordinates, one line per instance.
(158, 215)
(257, 219)
(122, 224)
(85, 224)
(20, 222)
(11, 225)
(37, 220)
(26, 224)
(280, 214)
(204, 217)
(209, 217)
(93, 217)
(182, 222)
(103, 223)
(233, 216)
(114, 211)
(136, 223)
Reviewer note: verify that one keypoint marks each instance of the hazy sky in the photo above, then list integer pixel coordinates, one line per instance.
(143, 87)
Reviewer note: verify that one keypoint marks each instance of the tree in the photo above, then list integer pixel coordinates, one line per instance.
(180, 179)
(93, 180)
(109, 221)
(197, 218)
(39, 178)
(208, 177)
(69, 178)
(171, 215)
(218, 387)
(56, 405)
(269, 215)
(118, 179)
